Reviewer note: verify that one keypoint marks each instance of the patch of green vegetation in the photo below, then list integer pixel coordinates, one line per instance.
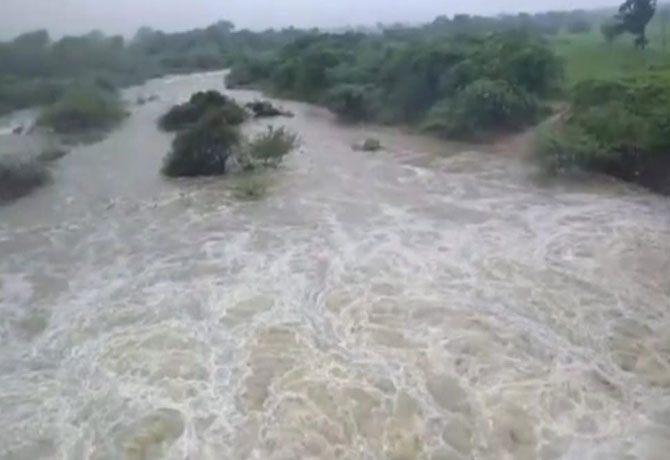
(83, 109)
(19, 175)
(185, 115)
(619, 127)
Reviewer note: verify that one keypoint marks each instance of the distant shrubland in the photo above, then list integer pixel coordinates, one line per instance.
(460, 86)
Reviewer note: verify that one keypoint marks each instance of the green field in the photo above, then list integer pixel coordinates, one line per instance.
(590, 56)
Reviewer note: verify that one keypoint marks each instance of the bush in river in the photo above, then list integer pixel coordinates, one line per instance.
(20, 175)
(270, 147)
(202, 149)
(184, 115)
(618, 127)
(83, 109)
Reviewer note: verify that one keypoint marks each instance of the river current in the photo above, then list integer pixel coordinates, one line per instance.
(428, 301)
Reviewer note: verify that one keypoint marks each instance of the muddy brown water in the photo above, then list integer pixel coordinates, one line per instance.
(424, 302)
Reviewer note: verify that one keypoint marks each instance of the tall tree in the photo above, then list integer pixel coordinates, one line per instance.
(634, 16)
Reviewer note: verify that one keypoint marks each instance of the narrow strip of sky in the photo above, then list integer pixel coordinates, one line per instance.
(125, 16)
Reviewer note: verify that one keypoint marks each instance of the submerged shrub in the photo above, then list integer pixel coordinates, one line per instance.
(20, 175)
(270, 147)
(482, 106)
(184, 115)
(202, 149)
(251, 187)
(83, 109)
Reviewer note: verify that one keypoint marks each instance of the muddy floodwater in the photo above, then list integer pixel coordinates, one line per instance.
(423, 302)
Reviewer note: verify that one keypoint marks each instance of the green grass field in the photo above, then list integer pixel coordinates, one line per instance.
(590, 56)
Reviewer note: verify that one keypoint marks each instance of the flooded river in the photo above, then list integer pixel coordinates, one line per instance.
(425, 302)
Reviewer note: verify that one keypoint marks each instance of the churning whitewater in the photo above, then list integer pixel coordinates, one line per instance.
(420, 303)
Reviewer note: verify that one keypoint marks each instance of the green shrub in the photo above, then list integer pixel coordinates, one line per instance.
(270, 147)
(184, 115)
(202, 149)
(349, 102)
(614, 126)
(249, 71)
(20, 175)
(83, 109)
(564, 148)
(483, 106)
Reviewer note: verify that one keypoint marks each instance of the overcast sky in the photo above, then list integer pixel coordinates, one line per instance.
(125, 16)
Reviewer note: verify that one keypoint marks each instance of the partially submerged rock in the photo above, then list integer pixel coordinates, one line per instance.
(265, 109)
(370, 144)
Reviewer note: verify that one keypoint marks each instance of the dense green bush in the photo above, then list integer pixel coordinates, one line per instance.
(185, 115)
(20, 175)
(249, 71)
(619, 127)
(202, 149)
(564, 149)
(83, 109)
(484, 106)
(350, 102)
